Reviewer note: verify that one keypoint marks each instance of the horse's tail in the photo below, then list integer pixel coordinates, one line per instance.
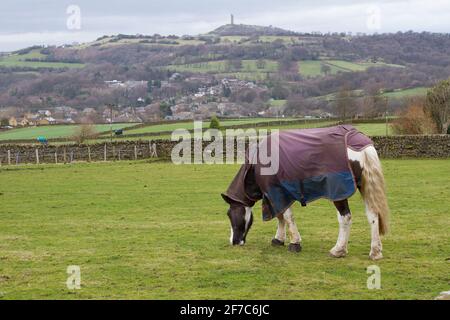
(373, 188)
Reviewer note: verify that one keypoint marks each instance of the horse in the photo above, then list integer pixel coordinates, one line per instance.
(333, 163)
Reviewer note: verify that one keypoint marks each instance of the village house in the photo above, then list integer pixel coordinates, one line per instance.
(12, 122)
(23, 122)
(185, 115)
(46, 113)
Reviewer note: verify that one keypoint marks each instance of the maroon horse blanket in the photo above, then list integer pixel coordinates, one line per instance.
(313, 164)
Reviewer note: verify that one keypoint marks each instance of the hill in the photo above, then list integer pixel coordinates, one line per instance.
(171, 76)
(250, 30)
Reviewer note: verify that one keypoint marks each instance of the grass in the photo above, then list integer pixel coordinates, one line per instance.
(53, 131)
(404, 93)
(312, 68)
(374, 129)
(371, 129)
(16, 60)
(277, 103)
(249, 70)
(159, 231)
(190, 125)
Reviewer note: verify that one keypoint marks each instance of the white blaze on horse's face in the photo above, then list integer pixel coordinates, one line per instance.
(241, 219)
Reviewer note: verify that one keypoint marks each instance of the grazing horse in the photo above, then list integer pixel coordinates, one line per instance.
(326, 163)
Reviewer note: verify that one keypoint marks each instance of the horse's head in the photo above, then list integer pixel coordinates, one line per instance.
(245, 192)
(241, 219)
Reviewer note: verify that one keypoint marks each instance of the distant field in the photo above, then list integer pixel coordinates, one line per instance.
(249, 68)
(190, 125)
(374, 129)
(312, 68)
(55, 131)
(16, 60)
(277, 103)
(63, 131)
(370, 129)
(419, 91)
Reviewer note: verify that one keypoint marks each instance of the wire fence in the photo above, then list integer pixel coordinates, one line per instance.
(19, 154)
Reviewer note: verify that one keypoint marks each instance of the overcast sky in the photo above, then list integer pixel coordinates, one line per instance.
(29, 22)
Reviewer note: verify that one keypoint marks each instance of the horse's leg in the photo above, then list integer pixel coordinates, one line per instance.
(280, 236)
(294, 235)
(345, 221)
(375, 245)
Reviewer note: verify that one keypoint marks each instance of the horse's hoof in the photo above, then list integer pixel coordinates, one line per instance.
(277, 243)
(338, 253)
(295, 247)
(375, 256)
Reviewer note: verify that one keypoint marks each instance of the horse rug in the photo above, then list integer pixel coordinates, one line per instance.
(313, 164)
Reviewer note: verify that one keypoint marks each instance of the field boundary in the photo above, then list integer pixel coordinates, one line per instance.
(432, 146)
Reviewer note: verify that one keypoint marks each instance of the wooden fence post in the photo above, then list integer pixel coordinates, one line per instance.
(89, 153)
(104, 153)
(9, 157)
(135, 152)
(119, 154)
(37, 156)
(56, 156)
(65, 155)
(149, 148)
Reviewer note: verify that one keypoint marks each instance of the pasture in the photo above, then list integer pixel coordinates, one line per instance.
(313, 68)
(34, 59)
(158, 231)
(53, 131)
(250, 69)
(190, 125)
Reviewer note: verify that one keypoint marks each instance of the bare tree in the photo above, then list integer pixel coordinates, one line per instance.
(325, 69)
(345, 104)
(438, 104)
(84, 132)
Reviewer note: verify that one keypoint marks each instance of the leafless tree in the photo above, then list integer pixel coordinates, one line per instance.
(438, 105)
(84, 132)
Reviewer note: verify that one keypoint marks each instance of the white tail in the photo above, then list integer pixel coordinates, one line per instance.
(373, 188)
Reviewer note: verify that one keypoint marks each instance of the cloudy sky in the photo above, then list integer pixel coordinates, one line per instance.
(28, 22)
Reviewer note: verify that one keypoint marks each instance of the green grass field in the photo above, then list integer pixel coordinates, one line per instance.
(53, 131)
(249, 70)
(159, 231)
(16, 60)
(419, 91)
(312, 68)
(371, 129)
(190, 125)
(374, 129)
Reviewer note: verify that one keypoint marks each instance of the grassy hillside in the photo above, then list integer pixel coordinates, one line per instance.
(18, 60)
(420, 91)
(312, 68)
(250, 70)
(160, 231)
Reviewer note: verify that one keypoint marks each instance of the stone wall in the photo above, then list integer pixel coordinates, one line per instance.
(435, 146)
